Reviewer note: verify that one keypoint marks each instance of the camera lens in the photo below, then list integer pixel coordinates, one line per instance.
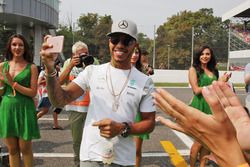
(88, 60)
(85, 60)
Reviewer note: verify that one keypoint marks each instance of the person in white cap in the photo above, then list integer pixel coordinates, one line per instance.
(117, 92)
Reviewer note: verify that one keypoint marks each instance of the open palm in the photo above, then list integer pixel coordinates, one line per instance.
(216, 131)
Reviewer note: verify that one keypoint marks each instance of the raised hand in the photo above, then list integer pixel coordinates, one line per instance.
(7, 77)
(48, 58)
(214, 131)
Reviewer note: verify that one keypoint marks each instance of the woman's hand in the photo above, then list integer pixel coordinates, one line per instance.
(7, 77)
(225, 77)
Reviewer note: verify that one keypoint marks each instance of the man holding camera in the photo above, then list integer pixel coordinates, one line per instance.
(117, 92)
(78, 108)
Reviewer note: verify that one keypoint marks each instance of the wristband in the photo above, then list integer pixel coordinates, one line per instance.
(243, 165)
(14, 85)
(2, 87)
(51, 75)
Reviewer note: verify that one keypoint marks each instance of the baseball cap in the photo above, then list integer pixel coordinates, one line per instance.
(124, 26)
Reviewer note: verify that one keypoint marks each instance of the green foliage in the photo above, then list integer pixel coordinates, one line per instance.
(93, 30)
(146, 44)
(168, 84)
(177, 33)
(68, 39)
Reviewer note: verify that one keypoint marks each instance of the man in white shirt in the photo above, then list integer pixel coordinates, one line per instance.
(79, 107)
(117, 92)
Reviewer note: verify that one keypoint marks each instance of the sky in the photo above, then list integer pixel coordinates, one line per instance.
(147, 14)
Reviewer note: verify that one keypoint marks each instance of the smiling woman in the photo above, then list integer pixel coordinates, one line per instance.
(202, 73)
(18, 122)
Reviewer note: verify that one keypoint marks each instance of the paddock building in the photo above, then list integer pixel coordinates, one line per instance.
(31, 18)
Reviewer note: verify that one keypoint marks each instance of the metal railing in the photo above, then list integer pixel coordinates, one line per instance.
(237, 42)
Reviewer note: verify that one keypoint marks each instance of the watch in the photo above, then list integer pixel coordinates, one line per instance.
(126, 131)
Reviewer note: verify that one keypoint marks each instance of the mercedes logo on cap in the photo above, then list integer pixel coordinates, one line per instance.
(123, 24)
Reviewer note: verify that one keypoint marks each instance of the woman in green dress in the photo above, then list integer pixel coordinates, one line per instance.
(202, 73)
(136, 62)
(18, 86)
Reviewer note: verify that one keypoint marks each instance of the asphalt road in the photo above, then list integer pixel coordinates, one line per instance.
(54, 149)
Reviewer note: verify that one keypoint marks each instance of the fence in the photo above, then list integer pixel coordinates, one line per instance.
(181, 76)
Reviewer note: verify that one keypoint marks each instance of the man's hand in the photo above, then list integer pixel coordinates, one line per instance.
(109, 128)
(47, 58)
(75, 60)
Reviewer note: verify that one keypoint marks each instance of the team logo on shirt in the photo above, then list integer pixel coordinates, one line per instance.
(132, 82)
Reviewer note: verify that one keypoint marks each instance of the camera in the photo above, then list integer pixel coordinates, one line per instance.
(85, 60)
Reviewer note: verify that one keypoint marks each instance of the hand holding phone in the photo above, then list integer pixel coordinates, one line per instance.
(57, 44)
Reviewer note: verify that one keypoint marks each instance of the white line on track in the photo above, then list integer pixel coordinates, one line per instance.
(185, 139)
(70, 155)
(51, 119)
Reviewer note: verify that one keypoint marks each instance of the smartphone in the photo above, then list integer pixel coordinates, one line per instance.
(57, 43)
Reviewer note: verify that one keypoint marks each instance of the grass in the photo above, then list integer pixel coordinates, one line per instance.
(171, 84)
(240, 85)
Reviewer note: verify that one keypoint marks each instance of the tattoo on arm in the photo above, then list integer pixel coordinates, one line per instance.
(57, 95)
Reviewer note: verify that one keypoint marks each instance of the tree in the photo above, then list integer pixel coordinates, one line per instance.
(146, 44)
(101, 31)
(66, 31)
(177, 33)
(93, 29)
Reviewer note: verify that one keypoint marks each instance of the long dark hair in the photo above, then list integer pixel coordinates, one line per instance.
(138, 63)
(26, 55)
(211, 65)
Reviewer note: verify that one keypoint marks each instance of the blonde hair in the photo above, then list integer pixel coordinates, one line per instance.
(79, 45)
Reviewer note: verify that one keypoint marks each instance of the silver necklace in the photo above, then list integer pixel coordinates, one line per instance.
(116, 97)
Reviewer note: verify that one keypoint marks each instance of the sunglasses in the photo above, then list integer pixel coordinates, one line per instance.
(125, 40)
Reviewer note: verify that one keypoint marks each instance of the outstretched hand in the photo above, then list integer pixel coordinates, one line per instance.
(214, 131)
(241, 121)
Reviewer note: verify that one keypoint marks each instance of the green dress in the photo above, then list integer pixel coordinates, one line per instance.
(138, 118)
(144, 136)
(198, 101)
(18, 113)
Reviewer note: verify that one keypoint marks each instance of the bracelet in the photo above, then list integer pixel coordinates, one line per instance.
(243, 165)
(2, 87)
(51, 75)
(14, 85)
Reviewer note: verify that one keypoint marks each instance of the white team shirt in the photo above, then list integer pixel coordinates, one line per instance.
(136, 95)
